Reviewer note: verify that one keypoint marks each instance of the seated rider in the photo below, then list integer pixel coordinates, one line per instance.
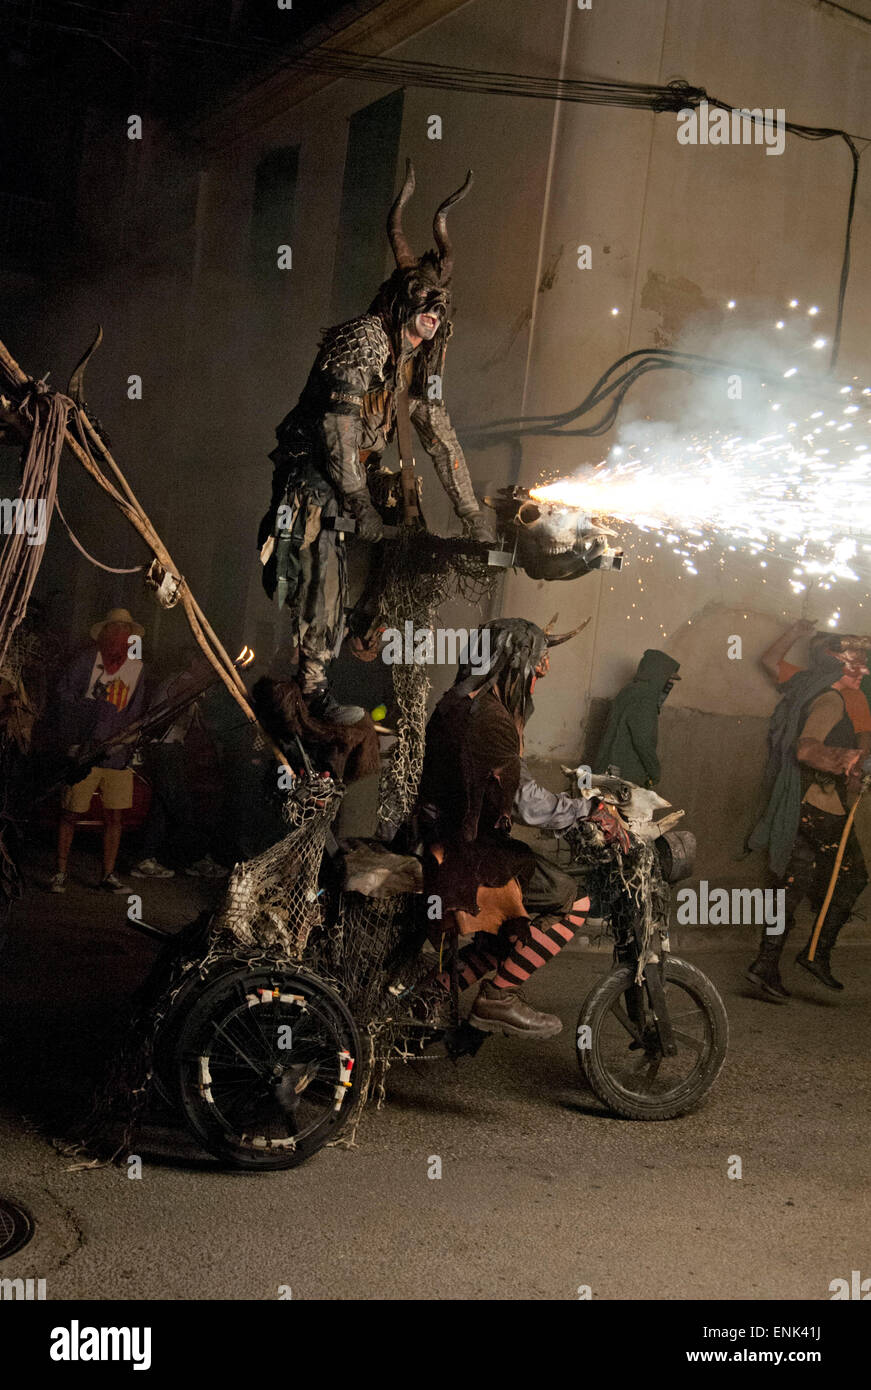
(518, 908)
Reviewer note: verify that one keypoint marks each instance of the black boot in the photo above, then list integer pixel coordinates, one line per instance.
(764, 973)
(820, 966)
(322, 706)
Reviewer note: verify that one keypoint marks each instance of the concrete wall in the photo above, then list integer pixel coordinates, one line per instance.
(675, 231)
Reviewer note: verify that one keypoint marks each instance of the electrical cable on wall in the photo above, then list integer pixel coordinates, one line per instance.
(674, 96)
(613, 389)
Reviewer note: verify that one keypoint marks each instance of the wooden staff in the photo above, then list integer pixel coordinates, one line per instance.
(848, 825)
(214, 653)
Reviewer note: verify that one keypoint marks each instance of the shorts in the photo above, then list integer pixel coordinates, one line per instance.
(115, 785)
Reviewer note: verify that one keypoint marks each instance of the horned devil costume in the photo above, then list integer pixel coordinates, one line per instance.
(518, 908)
(386, 364)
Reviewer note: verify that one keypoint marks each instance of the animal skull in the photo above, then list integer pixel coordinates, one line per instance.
(637, 805)
(553, 540)
(555, 527)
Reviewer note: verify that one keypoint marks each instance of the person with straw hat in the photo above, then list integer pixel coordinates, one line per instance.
(101, 692)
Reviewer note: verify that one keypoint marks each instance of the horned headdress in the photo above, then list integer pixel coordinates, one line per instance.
(419, 283)
(510, 652)
(442, 259)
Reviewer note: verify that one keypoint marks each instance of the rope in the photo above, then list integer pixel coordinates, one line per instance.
(46, 414)
(111, 569)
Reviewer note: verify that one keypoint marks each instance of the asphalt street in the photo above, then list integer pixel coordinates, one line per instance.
(541, 1192)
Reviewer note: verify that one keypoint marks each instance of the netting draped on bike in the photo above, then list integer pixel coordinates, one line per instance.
(379, 942)
(376, 941)
(629, 887)
(276, 910)
(422, 572)
(270, 907)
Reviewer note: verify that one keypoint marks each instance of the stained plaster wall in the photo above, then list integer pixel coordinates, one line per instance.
(674, 230)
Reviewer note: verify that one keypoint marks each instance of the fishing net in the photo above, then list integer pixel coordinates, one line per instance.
(421, 572)
(273, 901)
(628, 887)
(287, 906)
(270, 908)
(374, 963)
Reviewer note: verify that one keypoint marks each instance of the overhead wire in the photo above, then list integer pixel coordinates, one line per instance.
(675, 96)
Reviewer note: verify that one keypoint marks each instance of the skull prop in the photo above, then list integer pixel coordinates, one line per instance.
(637, 805)
(551, 540)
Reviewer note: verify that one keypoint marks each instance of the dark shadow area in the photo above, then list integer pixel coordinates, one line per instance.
(69, 972)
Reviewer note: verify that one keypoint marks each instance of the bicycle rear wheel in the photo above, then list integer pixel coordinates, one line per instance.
(266, 1067)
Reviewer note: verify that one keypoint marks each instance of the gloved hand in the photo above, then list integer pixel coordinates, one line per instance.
(478, 527)
(611, 825)
(370, 527)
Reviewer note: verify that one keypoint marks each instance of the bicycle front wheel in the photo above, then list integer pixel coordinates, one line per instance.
(618, 1042)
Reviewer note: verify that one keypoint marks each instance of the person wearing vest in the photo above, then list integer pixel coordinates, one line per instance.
(814, 773)
(388, 363)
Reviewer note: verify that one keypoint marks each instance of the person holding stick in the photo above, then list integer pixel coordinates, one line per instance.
(815, 771)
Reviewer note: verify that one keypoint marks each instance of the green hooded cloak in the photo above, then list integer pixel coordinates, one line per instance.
(630, 737)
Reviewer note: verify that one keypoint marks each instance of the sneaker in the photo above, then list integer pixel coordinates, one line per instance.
(506, 1011)
(150, 868)
(111, 884)
(58, 884)
(206, 868)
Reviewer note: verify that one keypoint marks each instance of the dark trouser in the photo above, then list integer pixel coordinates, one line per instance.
(321, 591)
(523, 945)
(807, 876)
(171, 829)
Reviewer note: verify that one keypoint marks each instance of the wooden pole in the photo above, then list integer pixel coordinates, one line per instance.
(199, 625)
(848, 825)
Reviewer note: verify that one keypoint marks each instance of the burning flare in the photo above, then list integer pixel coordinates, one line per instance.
(801, 492)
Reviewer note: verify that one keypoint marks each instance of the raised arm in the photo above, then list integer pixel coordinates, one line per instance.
(777, 651)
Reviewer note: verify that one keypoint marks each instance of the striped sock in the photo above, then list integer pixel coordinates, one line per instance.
(544, 940)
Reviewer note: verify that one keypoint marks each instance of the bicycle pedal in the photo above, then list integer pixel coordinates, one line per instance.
(464, 1040)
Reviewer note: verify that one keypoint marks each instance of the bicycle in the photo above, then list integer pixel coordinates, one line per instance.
(269, 1022)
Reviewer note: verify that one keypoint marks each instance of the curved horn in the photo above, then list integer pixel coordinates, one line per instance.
(402, 252)
(557, 638)
(74, 389)
(440, 231)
